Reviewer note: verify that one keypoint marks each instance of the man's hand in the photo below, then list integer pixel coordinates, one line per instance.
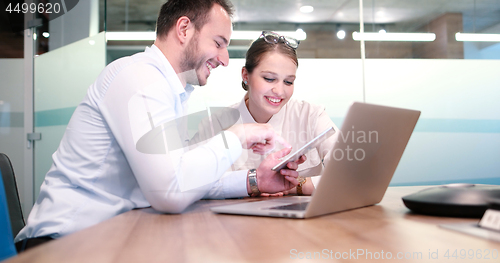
(273, 183)
(261, 138)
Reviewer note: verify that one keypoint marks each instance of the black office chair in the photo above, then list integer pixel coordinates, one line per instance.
(9, 182)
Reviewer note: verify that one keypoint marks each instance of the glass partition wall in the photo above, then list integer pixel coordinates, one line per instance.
(70, 52)
(415, 29)
(400, 53)
(451, 77)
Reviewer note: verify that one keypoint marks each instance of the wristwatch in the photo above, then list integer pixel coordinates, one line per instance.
(302, 181)
(252, 180)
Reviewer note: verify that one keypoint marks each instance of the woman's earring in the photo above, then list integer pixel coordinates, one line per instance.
(246, 82)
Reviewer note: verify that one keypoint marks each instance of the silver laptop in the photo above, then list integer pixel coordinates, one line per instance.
(362, 162)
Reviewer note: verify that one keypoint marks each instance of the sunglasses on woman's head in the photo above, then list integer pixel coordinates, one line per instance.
(273, 38)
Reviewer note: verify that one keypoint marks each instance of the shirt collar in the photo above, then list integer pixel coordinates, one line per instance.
(171, 76)
(246, 117)
(276, 120)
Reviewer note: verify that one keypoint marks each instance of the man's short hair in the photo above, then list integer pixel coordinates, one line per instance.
(196, 10)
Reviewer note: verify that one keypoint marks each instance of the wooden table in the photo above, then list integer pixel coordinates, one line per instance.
(385, 230)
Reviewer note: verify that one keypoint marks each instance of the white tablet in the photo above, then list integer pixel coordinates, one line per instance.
(304, 149)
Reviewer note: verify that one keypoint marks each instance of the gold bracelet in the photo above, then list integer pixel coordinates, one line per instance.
(302, 181)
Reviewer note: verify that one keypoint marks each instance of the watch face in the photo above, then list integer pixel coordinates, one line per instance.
(301, 180)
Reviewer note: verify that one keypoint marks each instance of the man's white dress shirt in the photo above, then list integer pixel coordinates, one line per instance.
(107, 162)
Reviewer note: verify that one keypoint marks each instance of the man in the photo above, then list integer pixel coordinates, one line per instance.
(102, 168)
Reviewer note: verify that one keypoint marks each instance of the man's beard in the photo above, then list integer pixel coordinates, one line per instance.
(190, 63)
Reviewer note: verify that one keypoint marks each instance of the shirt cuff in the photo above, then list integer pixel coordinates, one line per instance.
(235, 184)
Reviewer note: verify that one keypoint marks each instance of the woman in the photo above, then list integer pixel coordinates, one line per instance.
(268, 77)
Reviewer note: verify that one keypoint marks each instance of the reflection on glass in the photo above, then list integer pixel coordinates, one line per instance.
(329, 26)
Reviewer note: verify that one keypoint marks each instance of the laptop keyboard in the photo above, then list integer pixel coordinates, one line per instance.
(295, 206)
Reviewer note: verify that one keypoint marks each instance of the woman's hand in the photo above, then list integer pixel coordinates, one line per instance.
(273, 183)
